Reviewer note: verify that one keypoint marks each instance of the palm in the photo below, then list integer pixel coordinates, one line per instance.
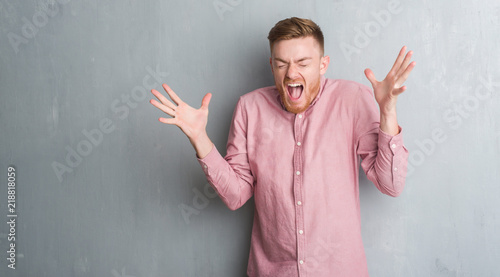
(386, 91)
(190, 120)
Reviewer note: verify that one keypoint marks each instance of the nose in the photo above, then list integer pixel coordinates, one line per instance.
(292, 72)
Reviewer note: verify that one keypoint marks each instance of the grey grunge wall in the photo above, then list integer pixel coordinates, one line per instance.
(92, 184)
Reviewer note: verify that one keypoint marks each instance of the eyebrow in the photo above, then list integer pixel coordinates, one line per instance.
(300, 60)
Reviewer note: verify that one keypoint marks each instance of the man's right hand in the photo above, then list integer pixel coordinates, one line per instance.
(191, 121)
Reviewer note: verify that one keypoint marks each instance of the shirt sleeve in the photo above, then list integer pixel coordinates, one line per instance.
(231, 176)
(384, 157)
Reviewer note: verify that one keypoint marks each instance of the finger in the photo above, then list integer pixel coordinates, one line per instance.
(370, 76)
(162, 107)
(398, 91)
(399, 59)
(206, 101)
(172, 121)
(172, 94)
(162, 99)
(405, 64)
(405, 74)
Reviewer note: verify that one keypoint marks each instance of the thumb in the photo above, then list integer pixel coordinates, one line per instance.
(370, 76)
(398, 91)
(206, 101)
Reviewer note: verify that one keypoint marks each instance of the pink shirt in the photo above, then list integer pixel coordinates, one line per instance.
(302, 170)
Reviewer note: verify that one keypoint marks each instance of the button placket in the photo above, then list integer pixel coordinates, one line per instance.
(298, 188)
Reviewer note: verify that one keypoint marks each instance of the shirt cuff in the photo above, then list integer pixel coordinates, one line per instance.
(399, 156)
(211, 161)
(393, 142)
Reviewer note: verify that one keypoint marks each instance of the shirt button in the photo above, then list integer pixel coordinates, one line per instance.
(299, 203)
(301, 232)
(205, 166)
(393, 145)
(301, 262)
(298, 172)
(300, 116)
(395, 169)
(298, 143)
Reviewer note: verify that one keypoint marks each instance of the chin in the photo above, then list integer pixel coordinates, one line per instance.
(307, 97)
(293, 108)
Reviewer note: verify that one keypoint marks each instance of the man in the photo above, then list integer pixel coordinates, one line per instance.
(296, 147)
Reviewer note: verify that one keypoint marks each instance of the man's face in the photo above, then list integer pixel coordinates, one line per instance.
(297, 65)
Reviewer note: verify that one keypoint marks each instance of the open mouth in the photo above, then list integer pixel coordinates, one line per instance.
(295, 91)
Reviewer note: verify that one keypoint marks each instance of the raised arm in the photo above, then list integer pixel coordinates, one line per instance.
(380, 141)
(230, 176)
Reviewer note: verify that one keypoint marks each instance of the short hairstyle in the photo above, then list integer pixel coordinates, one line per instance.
(295, 27)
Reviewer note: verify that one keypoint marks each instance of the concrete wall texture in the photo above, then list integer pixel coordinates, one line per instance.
(99, 187)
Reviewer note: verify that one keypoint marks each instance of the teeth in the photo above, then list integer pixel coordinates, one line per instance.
(294, 85)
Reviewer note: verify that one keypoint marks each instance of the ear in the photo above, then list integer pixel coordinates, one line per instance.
(323, 66)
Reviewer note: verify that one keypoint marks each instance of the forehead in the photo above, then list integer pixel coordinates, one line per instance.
(296, 48)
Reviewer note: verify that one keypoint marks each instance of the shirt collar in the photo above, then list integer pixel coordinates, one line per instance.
(322, 80)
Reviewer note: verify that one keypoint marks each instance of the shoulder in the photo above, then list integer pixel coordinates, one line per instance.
(260, 94)
(346, 92)
(260, 98)
(343, 86)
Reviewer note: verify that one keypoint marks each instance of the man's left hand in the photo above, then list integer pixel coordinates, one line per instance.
(387, 91)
